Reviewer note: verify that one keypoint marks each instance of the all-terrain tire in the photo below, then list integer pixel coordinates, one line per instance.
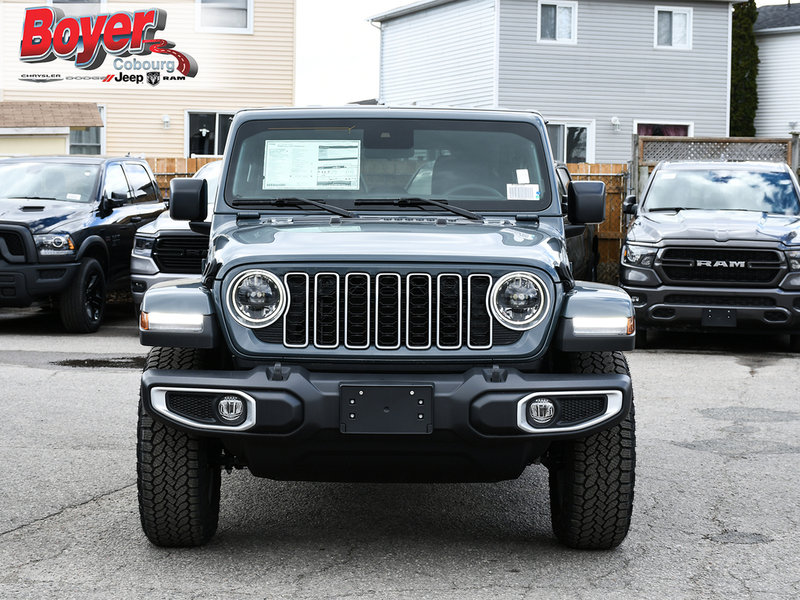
(591, 479)
(178, 474)
(83, 303)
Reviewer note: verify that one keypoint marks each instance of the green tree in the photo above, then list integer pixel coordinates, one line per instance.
(744, 70)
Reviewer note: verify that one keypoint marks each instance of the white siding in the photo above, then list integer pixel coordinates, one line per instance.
(441, 56)
(614, 70)
(778, 84)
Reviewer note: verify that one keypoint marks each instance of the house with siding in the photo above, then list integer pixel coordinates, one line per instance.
(777, 32)
(244, 51)
(598, 70)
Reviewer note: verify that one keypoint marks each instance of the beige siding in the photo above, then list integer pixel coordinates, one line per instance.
(16, 145)
(235, 71)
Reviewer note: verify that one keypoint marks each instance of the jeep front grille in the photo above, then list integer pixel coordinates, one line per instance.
(180, 253)
(387, 311)
(721, 266)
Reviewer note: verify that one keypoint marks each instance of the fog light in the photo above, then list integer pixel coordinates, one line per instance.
(231, 409)
(541, 410)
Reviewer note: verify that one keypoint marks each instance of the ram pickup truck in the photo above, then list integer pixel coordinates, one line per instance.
(66, 231)
(715, 246)
(347, 329)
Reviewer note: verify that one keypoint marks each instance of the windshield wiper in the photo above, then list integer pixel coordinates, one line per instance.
(34, 198)
(298, 202)
(417, 202)
(669, 208)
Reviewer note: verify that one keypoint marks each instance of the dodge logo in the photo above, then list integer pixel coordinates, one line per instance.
(722, 263)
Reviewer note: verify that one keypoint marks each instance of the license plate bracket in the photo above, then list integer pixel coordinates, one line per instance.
(386, 409)
(718, 317)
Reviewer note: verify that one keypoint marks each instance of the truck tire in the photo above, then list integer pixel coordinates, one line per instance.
(83, 303)
(794, 343)
(178, 474)
(591, 479)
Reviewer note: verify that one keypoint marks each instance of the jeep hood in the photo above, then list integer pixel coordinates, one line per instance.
(714, 225)
(41, 216)
(379, 242)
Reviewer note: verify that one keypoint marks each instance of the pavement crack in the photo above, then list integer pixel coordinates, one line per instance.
(65, 509)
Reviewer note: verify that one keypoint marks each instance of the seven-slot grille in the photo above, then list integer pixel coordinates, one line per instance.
(180, 254)
(387, 311)
(698, 266)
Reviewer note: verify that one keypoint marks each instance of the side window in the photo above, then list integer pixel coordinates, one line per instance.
(144, 190)
(673, 28)
(116, 184)
(558, 21)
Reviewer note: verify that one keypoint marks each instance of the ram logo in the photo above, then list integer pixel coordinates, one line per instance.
(722, 263)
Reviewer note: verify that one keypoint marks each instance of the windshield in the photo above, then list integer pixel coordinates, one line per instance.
(48, 180)
(723, 189)
(478, 164)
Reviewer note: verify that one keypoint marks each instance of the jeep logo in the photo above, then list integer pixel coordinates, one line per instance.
(722, 263)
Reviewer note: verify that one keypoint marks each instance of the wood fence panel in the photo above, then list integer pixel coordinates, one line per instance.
(611, 231)
(167, 168)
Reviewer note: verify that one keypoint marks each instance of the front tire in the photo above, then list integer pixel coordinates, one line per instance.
(591, 479)
(83, 304)
(178, 474)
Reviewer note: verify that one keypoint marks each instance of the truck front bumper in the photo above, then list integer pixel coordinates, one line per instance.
(769, 310)
(21, 284)
(472, 426)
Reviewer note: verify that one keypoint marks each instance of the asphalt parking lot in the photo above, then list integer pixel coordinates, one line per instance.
(716, 509)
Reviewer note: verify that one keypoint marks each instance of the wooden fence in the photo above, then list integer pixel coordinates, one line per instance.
(165, 169)
(610, 232)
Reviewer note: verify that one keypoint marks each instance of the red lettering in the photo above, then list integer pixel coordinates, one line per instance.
(66, 36)
(118, 31)
(142, 21)
(91, 39)
(36, 36)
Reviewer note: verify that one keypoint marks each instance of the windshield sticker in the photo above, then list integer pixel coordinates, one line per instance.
(74, 197)
(312, 164)
(522, 191)
(668, 175)
(523, 176)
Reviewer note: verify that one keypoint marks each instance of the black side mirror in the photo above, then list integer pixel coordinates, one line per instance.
(629, 206)
(587, 202)
(116, 200)
(188, 199)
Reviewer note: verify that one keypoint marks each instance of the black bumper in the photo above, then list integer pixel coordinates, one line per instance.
(300, 426)
(22, 284)
(767, 310)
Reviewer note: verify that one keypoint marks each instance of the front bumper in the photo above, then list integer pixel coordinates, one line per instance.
(671, 307)
(297, 414)
(21, 284)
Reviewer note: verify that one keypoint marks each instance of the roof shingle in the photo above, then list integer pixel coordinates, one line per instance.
(49, 114)
(777, 16)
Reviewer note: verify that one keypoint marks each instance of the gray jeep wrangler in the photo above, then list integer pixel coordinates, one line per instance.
(386, 297)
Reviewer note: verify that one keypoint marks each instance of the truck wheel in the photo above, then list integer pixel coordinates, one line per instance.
(591, 479)
(82, 305)
(178, 474)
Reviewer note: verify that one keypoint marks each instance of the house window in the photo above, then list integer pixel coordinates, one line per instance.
(224, 16)
(207, 133)
(664, 129)
(571, 142)
(88, 140)
(558, 21)
(673, 28)
(79, 8)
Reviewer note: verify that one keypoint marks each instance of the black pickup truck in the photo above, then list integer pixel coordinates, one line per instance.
(66, 231)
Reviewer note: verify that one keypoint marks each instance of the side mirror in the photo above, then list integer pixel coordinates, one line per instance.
(587, 202)
(116, 200)
(629, 206)
(188, 199)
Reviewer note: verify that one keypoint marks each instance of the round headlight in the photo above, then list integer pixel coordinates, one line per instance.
(519, 300)
(256, 298)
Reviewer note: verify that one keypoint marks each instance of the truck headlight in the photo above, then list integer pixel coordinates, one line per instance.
(256, 298)
(54, 244)
(638, 256)
(519, 300)
(143, 246)
(793, 256)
